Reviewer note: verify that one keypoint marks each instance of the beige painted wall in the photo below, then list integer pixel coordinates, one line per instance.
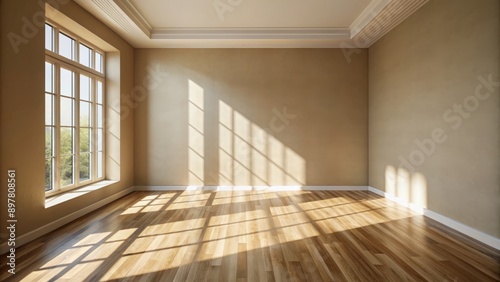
(434, 60)
(22, 114)
(202, 121)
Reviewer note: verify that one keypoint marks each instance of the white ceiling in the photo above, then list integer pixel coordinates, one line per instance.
(251, 23)
(250, 13)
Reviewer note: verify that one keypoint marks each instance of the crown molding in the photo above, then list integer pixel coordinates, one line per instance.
(388, 18)
(367, 16)
(252, 33)
(377, 19)
(114, 16)
(131, 11)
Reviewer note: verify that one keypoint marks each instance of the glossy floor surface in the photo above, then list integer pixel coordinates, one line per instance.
(254, 236)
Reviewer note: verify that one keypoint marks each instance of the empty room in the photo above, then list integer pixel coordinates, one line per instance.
(238, 140)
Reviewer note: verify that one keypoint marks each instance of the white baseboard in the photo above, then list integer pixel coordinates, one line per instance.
(416, 208)
(460, 227)
(30, 236)
(251, 188)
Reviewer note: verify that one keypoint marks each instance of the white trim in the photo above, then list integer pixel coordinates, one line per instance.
(388, 18)
(251, 33)
(416, 208)
(453, 224)
(251, 188)
(64, 196)
(465, 229)
(30, 236)
(368, 14)
(131, 11)
(378, 17)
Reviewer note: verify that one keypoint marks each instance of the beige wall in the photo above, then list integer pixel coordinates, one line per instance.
(420, 71)
(22, 114)
(211, 118)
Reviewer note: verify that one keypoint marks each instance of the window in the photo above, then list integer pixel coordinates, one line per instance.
(74, 111)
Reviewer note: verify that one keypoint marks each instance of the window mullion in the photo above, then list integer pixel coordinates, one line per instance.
(77, 50)
(56, 39)
(57, 133)
(103, 125)
(76, 166)
(94, 129)
(103, 69)
(69, 63)
(92, 59)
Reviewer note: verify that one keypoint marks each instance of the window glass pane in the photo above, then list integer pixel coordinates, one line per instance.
(99, 139)
(66, 171)
(67, 83)
(84, 166)
(49, 37)
(85, 140)
(66, 141)
(85, 114)
(84, 87)
(49, 77)
(66, 111)
(49, 137)
(99, 116)
(49, 165)
(49, 106)
(73, 110)
(99, 92)
(85, 55)
(98, 62)
(99, 165)
(66, 46)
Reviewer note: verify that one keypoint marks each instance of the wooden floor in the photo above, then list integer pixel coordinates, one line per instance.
(254, 236)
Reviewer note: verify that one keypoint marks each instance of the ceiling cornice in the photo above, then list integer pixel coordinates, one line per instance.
(114, 16)
(135, 16)
(367, 16)
(388, 18)
(378, 18)
(253, 33)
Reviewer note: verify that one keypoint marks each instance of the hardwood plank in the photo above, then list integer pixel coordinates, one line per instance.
(254, 236)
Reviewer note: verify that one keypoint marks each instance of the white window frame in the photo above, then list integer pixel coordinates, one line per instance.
(59, 61)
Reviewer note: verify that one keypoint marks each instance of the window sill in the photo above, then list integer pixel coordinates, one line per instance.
(75, 193)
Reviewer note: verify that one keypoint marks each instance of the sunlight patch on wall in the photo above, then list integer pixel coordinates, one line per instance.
(250, 155)
(196, 152)
(419, 190)
(390, 180)
(403, 182)
(405, 186)
(294, 168)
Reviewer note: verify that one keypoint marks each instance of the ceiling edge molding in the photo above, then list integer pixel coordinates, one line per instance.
(367, 15)
(131, 11)
(117, 17)
(376, 20)
(252, 33)
(387, 19)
